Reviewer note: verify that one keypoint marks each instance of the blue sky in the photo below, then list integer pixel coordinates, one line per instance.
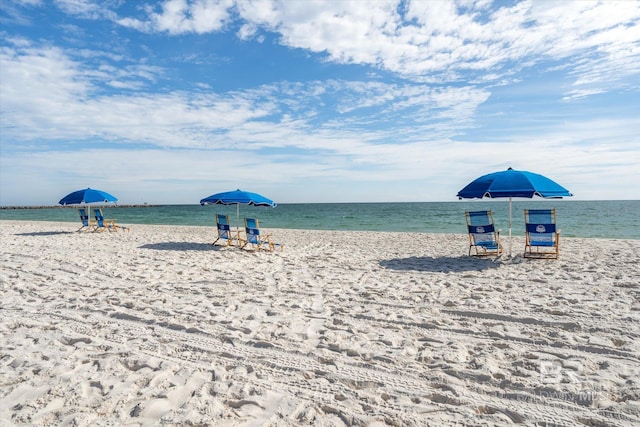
(315, 101)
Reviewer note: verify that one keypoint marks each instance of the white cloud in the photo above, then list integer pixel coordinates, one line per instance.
(197, 16)
(55, 97)
(37, 82)
(89, 9)
(26, 2)
(438, 41)
(15, 11)
(135, 24)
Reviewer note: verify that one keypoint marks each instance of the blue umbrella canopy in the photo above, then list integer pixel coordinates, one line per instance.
(512, 183)
(237, 197)
(88, 195)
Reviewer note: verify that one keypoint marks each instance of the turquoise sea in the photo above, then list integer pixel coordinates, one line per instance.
(608, 219)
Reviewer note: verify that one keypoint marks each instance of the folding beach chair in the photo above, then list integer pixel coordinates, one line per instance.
(224, 230)
(84, 219)
(103, 224)
(483, 236)
(542, 235)
(256, 239)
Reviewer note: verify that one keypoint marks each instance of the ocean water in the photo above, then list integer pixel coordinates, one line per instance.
(607, 219)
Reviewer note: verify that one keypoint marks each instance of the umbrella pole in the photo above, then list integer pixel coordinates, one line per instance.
(509, 227)
(238, 219)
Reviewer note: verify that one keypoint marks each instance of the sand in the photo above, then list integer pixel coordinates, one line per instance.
(158, 327)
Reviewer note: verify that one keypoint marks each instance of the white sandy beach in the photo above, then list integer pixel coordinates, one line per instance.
(158, 327)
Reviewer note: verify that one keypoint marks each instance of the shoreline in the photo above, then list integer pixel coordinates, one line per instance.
(600, 220)
(503, 237)
(341, 328)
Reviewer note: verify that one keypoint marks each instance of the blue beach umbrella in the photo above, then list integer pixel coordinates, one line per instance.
(512, 183)
(238, 197)
(88, 195)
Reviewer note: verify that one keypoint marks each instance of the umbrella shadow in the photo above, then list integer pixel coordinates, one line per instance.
(45, 233)
(181, 246)
(440, 264)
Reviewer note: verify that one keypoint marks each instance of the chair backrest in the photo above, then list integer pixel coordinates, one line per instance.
(480, 226)
(224, 230)
(84, 216)
(252, 228)
(540, 225)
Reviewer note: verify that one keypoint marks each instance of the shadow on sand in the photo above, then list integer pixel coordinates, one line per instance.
(181, 246)
(45, 233)
(441, 264)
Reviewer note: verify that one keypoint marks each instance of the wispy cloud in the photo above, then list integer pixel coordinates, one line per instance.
(69, 94)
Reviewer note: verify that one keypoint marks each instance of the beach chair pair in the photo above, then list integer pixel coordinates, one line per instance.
(542, 238)
(100, 224)
(253, 237)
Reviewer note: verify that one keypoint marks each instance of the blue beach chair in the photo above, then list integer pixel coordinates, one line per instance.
(483, 236)
(84, 219)
(256, 239)
(542, 235)
(224, 230)
(103, 224)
